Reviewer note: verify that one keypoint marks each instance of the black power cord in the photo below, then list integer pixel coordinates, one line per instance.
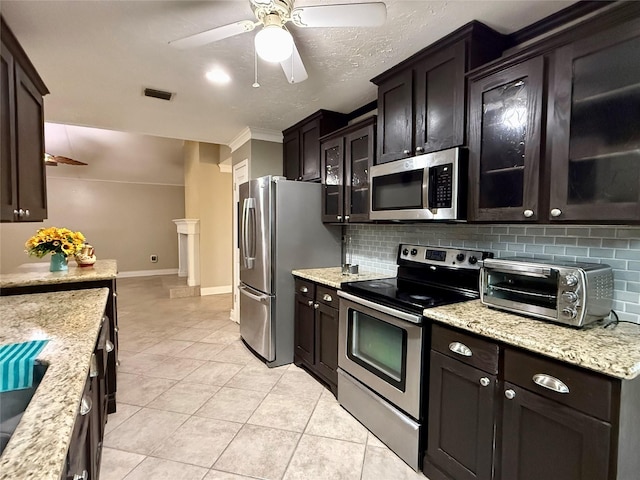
(617, 320)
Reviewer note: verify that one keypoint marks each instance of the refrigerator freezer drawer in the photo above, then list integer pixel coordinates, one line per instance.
(256, 327)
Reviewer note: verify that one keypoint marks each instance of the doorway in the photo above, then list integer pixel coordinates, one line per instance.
(240, 176)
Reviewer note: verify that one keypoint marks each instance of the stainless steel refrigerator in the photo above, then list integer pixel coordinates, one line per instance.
(280, 230)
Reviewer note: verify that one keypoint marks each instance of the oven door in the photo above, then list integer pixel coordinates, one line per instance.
(382, 348)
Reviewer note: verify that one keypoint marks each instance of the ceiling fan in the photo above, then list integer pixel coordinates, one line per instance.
(274, 42)
(55, 160)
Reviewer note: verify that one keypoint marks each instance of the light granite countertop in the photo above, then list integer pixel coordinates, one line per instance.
(32, 274)
(333, 277)
(71, 321)
(613, 351)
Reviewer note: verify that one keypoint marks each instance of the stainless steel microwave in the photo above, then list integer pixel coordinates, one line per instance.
(432, 186)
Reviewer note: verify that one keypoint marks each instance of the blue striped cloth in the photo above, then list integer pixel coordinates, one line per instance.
(16, 364)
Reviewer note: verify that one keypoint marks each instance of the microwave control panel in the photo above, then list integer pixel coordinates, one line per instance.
(441, 186)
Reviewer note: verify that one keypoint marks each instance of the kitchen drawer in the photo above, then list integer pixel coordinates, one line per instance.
(305, 288)
(328, 296)
(469, 349)
(588, 392)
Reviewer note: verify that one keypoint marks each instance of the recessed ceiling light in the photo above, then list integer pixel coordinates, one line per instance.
(218, 76)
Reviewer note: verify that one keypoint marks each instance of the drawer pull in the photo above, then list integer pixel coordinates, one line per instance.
(304, 289)
(93, 366)
(85, 405)
(109, 346)
(551, 383)
(84, 476)
(484, 381)
(327, 298)
(460, 349)
(310, 303)
(316, 305)
(510, 394)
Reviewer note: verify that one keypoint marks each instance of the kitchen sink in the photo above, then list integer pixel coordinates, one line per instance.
(14, 403)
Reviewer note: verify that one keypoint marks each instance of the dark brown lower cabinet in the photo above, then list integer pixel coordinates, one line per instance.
(542, 439)
(316, 331)
(498, 412)
(461, 420)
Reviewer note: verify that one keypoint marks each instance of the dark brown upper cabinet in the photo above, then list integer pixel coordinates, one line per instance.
(421, 101)
(347, 156)
(595, 127)
(554, 128)
(23, 195)
(505, 122)
(301, 144)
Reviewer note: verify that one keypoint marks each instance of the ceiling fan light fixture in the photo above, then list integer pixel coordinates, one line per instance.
(274, 44)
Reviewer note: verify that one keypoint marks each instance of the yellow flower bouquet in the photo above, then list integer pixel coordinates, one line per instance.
(54, 240)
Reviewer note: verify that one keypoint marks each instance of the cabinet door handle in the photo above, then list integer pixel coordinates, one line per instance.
(510, 394)
(460, 349)
(93, 366)
(528, 213)
(339, 217)
(109, 346)
(346, 217)
(484, 381)
(85, 405)
(316, 305)
(327, 298)
(84, 476)
(16, 212)
(310, 303)
(27, 213)
(116, 329)
(304, 290)
(299, 178)
(419, 150)
(407, 152)
(556, 212)
(551, 383)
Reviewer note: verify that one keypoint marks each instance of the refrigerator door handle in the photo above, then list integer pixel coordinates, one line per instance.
(258, 298)
(249, 232)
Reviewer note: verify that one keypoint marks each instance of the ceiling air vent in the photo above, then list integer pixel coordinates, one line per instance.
(162, 95)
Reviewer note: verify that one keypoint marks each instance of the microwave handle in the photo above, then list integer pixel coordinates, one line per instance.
(526, 271)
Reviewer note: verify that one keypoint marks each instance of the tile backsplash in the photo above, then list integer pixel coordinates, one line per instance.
(375, 247)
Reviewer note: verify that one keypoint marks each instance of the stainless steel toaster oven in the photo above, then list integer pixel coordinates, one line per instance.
(569, 293)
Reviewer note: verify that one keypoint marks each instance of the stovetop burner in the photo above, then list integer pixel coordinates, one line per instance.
(427, 277)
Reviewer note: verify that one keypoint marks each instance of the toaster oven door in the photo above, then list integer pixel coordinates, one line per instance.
(519, 290)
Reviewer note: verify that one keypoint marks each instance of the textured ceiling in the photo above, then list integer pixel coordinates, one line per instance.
(96, 57)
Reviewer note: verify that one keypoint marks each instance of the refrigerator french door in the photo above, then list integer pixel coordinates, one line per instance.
(280, 230)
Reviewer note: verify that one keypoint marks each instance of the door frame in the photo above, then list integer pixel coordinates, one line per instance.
(240, 175)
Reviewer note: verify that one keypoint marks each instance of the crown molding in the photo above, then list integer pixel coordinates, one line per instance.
(253, 133)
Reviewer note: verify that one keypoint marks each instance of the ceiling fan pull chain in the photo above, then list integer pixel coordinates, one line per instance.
(255, 64)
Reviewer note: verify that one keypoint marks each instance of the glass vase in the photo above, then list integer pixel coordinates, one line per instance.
(58, 262)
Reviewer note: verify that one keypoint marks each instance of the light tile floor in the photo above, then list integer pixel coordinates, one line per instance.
(194, 403)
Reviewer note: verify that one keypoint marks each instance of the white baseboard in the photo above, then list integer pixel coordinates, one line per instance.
(215, 290)
(148, 273)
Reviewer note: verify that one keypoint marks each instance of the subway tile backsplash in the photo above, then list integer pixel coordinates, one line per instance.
(375, 247)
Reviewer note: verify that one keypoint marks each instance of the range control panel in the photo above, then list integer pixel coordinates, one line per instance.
(440, 256)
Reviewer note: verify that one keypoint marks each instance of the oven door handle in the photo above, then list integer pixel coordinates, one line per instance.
(409, 317)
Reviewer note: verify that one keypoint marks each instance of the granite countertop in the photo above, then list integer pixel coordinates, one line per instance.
(71, 321)
(613, 351)
(333, 277)
(32, 274)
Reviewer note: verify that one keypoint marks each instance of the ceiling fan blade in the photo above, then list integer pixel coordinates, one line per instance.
(213, 35)
(67, 160)
(370, 14)
(293, 67)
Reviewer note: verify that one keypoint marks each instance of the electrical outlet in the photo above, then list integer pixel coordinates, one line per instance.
(153, 258)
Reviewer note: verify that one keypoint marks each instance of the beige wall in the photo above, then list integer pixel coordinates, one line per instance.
(265, 158)
(208, 197)
(124, 221)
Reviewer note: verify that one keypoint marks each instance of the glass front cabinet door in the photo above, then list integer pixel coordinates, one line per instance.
(332, 180)
(595, 128)
(504, 142)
